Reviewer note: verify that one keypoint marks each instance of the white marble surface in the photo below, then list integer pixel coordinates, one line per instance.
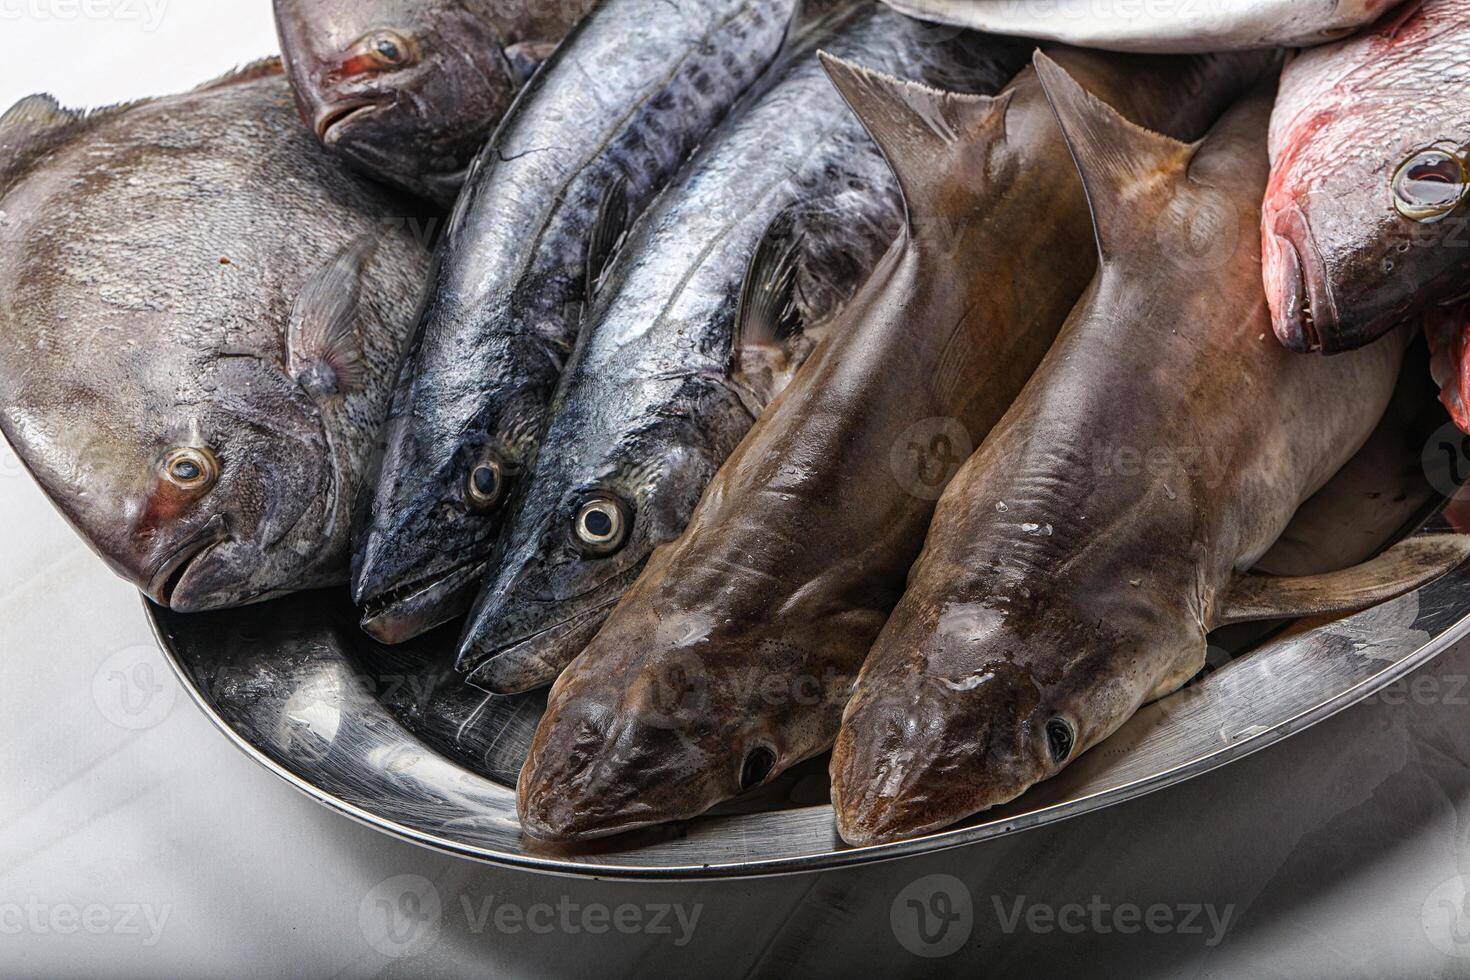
(134, 841)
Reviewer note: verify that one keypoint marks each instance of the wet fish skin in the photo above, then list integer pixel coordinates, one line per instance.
(657, 397)
(408, 91)
(1046, 608)
(511, 279)
(1178, 27)
(1342, 265)
(203, 313)
(731, 658)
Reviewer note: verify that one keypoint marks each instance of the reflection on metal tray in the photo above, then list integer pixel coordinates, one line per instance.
(392, 737)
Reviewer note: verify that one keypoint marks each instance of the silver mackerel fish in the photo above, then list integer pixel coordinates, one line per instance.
(717, 297)
(1160, 26)
(605, 123)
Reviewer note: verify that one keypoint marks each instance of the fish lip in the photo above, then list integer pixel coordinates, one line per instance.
(394, 615)
(1308, 320)
(481, 674)
(1294, 324)
(164, 584)
(330, 118)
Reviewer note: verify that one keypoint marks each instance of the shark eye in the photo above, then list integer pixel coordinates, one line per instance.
(1059, 738)
(757, 766)
(388, 50)
(601, 526)
(1429, 186)
(486, 485)
(191, 469)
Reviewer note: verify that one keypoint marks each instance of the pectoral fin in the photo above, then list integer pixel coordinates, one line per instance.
(768, 327)
(609, 228)
(323, 352)
(1403, 568)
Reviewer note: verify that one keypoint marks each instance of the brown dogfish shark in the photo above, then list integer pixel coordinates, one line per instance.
(1054, 597)
(731, 658)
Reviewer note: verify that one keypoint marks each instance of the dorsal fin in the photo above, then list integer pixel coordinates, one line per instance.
(1118, 159)
(31, 127)
(917, 127)
(248, 72)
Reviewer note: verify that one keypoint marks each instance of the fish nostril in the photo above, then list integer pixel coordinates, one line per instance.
(1059, 738)
(758, 764)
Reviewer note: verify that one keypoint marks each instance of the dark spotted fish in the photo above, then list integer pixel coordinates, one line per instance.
(604, 125)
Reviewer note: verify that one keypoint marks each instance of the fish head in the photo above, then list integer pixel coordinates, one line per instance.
(215, 489)
(405, 90)
(596, 507)
(427, 522)
(951, 720)
(1364, 217)
(667, 713)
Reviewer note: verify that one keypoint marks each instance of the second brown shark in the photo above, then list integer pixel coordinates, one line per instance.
(1054, 597)
(732, 656)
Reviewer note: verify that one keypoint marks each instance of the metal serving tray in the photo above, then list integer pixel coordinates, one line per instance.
(392, 737)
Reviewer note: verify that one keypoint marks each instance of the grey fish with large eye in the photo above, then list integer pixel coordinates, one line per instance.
(408, 91)
(203, 314)
(571, 166)
(720, 292)
(1364, 224)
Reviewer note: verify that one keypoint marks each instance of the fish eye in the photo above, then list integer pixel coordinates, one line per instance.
(190, 468)
(389, 50)
(1429, 186)
(486, 484)
(601, 526)
(757, 766)
(1059, 739)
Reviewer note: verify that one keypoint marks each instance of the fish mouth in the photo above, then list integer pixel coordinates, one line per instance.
(1294, 323)
(410, 610)
(533, 660)
(330, 119)
(1303, 314)
(165, 583)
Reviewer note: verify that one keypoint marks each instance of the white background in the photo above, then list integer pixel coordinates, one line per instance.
(119, 802)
